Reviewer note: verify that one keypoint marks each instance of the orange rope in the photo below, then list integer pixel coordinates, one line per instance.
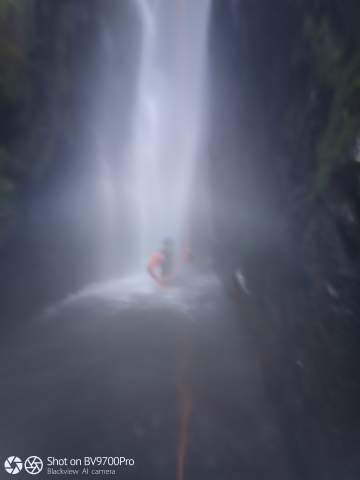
(186, 407)
(185, 393)
(185, 400)
(179, 7)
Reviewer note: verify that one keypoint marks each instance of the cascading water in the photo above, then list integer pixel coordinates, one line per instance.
(145, 179)
(168, 118)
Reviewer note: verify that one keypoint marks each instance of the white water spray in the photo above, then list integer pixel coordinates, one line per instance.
(168, 118)
(145, 177)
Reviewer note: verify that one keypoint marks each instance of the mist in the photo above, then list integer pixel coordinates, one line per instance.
(179, 238)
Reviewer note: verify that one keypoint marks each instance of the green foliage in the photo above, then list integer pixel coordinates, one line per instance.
(343, 124)
(320, 70)
(296, 64)
(6, 6)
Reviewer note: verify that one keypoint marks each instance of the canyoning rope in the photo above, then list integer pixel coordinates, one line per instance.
(185, 400)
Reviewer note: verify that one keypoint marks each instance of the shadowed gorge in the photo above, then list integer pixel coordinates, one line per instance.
(179, 237)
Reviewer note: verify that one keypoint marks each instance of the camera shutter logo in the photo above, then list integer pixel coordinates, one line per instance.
(33, 465)
(13, 465)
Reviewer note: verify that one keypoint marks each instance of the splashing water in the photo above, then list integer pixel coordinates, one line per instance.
(138, 292)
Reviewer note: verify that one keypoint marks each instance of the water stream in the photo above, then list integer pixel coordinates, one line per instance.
(166, 134)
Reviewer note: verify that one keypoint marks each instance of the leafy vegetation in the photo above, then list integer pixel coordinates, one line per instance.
(289, 73)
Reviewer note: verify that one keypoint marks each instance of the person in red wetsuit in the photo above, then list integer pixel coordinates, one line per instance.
(161, 263)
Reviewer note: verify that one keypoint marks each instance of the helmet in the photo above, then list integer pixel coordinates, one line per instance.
(168, 242)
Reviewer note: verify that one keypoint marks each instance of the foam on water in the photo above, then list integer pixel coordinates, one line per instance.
(138, 291)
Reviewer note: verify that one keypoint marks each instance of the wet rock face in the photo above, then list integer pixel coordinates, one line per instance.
(298, 250)
(344, 197)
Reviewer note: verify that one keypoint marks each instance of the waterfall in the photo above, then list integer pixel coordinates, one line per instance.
(149, 135)
(167, 119)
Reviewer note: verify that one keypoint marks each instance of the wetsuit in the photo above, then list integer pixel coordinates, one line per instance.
(163, 262)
